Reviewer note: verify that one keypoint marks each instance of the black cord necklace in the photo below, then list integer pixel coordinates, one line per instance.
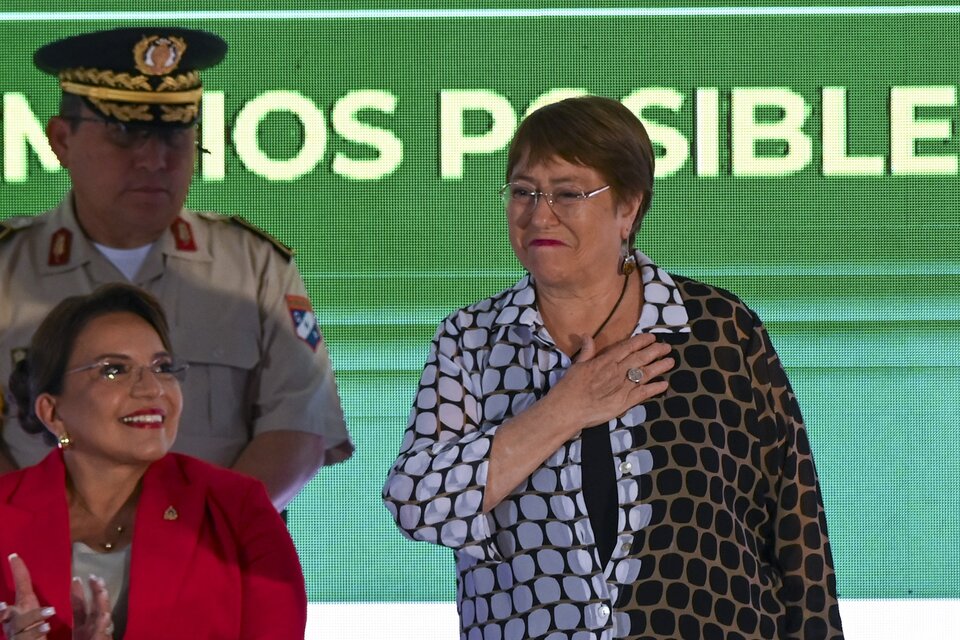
(616, 305)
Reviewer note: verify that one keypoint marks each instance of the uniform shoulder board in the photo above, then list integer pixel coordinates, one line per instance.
(249, 226)
(10, 226)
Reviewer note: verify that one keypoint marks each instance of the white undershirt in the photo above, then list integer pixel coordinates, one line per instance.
(114, 568)
(128, 261)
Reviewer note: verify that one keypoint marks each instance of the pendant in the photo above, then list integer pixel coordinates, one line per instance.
(109, 545)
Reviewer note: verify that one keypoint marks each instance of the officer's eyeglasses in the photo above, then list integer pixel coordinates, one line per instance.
(132, 137)
(520, 199)
(122, 371)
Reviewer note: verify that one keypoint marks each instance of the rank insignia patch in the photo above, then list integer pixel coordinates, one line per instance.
(304, 322)
(60, 247)
(183, 235)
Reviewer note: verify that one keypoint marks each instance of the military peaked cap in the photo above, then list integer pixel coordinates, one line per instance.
(136, 75)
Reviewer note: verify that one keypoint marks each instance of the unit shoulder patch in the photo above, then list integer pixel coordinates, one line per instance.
(304, 320)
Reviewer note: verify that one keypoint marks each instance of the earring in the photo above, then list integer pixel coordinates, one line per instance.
(628, 261)
(64, 441)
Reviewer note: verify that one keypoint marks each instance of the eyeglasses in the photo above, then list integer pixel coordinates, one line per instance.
(521, 199)
(122, 372)
(126, 136)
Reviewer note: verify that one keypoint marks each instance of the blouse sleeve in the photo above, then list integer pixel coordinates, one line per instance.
(800, 548)
(274, 597)
(436, 486)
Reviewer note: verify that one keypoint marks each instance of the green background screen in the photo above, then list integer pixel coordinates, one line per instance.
(808, 161)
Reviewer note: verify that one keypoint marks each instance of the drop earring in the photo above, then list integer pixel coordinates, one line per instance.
(628, 261)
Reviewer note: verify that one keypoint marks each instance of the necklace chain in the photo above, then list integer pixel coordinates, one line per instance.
(109, 544)
(616, 305)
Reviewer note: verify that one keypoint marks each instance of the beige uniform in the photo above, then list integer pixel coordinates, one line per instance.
(238, 313)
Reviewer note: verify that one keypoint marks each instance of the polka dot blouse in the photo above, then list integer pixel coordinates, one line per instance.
(720, 529)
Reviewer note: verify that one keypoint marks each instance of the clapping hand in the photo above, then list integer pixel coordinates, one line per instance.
(91, 621)
(26, 619)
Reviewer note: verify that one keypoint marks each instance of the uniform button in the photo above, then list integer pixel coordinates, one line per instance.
(604, 610)
(625, 467)
(625, 547)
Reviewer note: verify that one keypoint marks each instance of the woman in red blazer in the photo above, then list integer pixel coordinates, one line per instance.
(178, 548)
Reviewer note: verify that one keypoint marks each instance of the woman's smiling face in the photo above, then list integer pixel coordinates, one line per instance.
(130, 419)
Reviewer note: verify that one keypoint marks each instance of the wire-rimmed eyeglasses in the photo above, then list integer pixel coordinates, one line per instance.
(521, 199)
(118, 370)
(127, 136)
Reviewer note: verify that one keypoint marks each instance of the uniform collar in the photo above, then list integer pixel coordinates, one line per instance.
(65, 246)
(187, 238)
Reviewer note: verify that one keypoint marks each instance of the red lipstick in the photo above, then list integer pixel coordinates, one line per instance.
(145, 419)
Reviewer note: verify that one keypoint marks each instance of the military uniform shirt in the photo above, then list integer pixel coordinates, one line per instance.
(238, 313)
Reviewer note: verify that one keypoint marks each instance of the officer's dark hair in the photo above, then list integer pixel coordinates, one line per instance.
(43, 370)
(71, 108)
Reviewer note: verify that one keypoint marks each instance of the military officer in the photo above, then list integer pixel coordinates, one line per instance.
(260, 394)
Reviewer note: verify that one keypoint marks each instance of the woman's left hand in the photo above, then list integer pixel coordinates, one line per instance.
(91, 621)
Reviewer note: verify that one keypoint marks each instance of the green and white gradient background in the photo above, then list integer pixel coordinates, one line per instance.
(809, 162)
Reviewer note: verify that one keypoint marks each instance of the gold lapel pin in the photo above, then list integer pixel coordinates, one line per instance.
(170, 513)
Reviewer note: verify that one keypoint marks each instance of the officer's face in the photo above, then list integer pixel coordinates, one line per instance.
(128, 189)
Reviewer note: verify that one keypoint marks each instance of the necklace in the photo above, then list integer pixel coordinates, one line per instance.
(616, 305)
(110, 544)
(115, 532)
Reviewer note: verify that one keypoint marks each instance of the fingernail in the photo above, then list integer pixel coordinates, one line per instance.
(12, 556)
(46, 612)
(77, 579)
(3, 606)
(44, 628)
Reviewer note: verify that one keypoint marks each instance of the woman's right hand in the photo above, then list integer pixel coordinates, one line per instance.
(91, 621)
(593, 390)
(26, 619)
(596, 388)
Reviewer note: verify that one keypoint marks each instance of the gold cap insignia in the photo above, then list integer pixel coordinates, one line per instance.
(142, 75)
(158, 55)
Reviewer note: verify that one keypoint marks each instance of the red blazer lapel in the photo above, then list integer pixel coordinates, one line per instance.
(168, 521)
(35, 525)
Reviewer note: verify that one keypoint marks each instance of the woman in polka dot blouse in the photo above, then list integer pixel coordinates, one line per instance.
(611, 451)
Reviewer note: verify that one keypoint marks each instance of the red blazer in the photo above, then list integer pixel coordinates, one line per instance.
(211, 558)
